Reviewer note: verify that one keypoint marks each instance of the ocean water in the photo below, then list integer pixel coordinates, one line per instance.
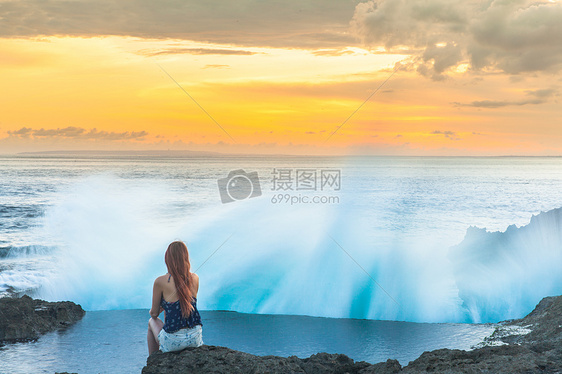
(115, 341)
(412, 239)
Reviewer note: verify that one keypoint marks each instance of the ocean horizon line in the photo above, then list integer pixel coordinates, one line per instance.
(163, 153)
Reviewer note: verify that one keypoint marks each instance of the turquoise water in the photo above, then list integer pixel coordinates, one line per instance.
(115, 341)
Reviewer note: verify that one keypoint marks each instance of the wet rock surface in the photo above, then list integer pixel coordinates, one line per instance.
(25, 319)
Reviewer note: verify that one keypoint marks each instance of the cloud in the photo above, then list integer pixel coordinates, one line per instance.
(499, 104)
(77, 133)
(539, 96)
(95, 134)
(544, 93)
(68, 132)
(508, 36)
(197, 51)
(332, 52)
(393, 23)
(23, 132)
(448, 134)
(290, 23)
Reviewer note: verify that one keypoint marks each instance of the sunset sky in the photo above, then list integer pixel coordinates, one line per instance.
(459, 77)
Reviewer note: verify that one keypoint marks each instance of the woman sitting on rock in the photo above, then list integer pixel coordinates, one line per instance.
(175, 293)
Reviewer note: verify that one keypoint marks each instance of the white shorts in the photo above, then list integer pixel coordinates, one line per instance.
(183, 338)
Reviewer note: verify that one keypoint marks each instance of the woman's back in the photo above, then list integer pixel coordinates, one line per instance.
(169, 291)
(174, 319)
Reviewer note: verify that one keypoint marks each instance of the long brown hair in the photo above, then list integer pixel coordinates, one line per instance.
(177, 261)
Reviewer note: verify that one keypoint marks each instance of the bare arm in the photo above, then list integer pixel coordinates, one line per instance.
(195, 287)
(156, 297)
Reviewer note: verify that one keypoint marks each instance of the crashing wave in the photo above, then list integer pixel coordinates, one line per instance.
(503, 275)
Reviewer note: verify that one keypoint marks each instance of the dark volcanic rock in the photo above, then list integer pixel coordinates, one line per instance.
(211, 359)
(530, 345)
(492, 360)
(24, 318)
(545, 322)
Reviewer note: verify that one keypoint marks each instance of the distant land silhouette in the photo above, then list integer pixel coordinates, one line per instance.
(151, 153)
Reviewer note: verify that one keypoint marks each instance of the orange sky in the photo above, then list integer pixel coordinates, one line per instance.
(280, 89)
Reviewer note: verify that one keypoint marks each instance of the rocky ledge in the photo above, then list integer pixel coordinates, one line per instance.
(24, 318)
(529, 345)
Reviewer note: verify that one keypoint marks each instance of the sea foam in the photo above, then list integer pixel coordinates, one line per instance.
(319, 260)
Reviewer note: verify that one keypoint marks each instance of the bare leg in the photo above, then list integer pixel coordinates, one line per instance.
(154, 327)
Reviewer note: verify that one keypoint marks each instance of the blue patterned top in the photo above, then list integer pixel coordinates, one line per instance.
(174, 320)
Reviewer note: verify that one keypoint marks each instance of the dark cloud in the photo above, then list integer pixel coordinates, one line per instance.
(518, 36)
(499, 104)
(510, 36)
(411, 23)
(443, 57)
(23, 132)
(68, 132)
(77, 133)
(291, 23)
(539, 96)
(544, 93)
(95, 134)
(448, 134)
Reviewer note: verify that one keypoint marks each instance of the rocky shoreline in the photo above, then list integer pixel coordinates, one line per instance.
(529, 345)
(25, 319)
